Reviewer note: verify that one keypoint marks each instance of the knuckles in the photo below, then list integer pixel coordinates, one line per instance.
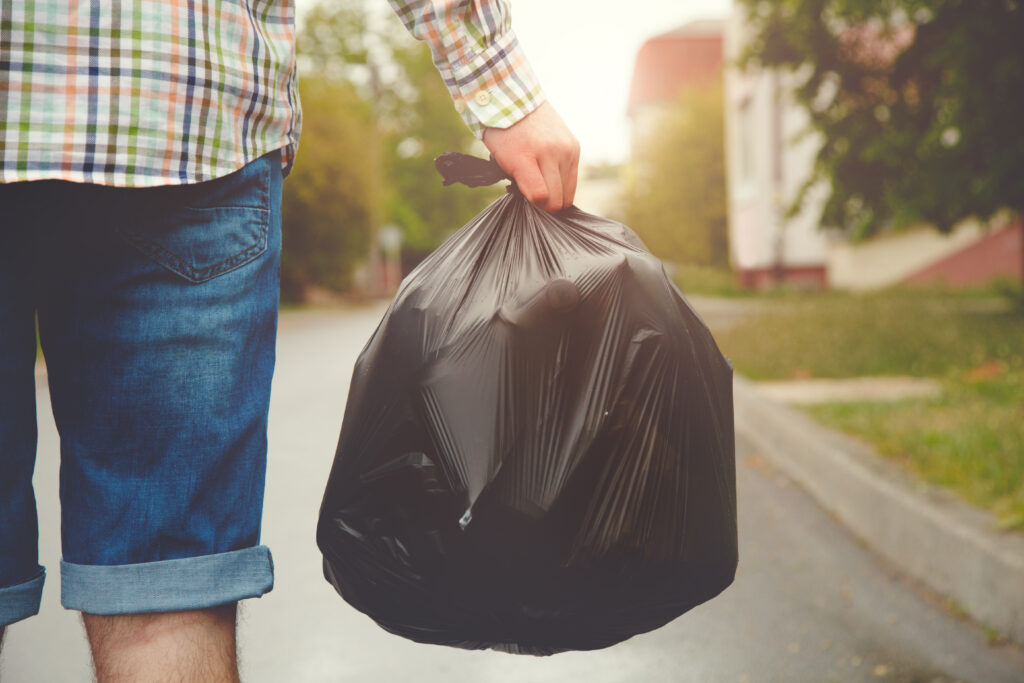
(539, 197)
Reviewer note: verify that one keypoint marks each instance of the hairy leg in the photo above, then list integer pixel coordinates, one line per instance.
(189, 646)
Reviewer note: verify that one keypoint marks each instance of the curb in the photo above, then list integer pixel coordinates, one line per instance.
(926, 532)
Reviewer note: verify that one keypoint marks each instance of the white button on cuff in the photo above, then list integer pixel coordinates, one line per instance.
(483, 98)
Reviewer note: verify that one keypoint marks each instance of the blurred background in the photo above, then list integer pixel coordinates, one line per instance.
(838, 184)
(377, 114)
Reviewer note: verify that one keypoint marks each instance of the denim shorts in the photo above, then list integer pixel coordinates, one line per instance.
(157, 316)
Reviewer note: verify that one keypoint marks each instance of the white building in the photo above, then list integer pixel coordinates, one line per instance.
(769, 158)
(766, 168)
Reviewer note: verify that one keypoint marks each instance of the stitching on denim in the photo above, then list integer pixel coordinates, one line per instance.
(174, 263)
(251, 207)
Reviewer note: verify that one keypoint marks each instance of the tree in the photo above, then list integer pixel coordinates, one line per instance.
(919, 104)
(676, 199)
(331, 197)
(427, 126)
(344, 42)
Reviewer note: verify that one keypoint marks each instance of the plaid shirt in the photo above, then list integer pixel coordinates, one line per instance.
(137, 93)
(478, 56)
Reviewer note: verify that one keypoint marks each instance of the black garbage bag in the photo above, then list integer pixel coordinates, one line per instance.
(537, 453)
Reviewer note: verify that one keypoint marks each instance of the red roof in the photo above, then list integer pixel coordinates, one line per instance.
(689, 55)
(995, 255)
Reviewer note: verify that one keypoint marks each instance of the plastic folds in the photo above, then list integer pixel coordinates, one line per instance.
(537, 453)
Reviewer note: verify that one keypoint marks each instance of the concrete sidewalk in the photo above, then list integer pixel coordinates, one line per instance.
(827, 390)
(809, 604)
(927, 533)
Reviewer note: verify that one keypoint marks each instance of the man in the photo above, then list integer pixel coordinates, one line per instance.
(142, 150)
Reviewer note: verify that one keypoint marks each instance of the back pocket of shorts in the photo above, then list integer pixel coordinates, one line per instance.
(201, 243)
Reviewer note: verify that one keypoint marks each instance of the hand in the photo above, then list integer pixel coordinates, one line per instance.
(541, 155)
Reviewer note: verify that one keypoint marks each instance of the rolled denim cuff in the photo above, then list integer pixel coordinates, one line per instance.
(21, 601)
(167, 585)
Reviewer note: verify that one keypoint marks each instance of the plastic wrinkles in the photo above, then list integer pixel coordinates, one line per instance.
(537, 453)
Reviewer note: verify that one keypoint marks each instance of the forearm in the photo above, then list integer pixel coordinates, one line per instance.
(497, 94)
(479, 57)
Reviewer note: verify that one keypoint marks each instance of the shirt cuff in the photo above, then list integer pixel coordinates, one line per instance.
(496, 87)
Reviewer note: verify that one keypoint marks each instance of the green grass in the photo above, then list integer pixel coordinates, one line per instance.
(845, 335)
(970, 439)
(708, 281)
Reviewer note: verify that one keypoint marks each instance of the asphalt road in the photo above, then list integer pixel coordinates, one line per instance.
(809, 603)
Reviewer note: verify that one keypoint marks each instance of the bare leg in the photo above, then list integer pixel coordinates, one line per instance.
(189, 646)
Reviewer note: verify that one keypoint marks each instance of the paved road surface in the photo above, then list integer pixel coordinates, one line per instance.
(809, 603)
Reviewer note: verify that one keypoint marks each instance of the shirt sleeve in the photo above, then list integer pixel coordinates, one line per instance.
(479, 57)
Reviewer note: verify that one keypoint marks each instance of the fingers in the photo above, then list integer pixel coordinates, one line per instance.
(553, 178)
(531, 183)
(548, 182)
(569, 178)
(541, 155)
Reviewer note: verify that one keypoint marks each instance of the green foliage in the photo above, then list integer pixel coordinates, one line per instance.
(331, 196)
(895, 332)
(919, 102)
(971, 438)
(676, 200)
(708, 281)
(375, 114)
(424, 126)
(335, 42)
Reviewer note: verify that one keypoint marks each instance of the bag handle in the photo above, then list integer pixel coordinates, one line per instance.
(469, 170)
